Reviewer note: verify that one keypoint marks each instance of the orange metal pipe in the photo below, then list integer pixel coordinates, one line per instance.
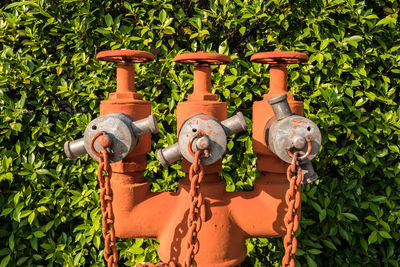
(202, 79)
(278, 79)
(125, 77)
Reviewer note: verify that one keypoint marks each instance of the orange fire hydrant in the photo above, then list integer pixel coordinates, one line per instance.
(218, 222)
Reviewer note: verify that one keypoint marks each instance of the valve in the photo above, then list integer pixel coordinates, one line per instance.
(118, 132)
(202, 132)
(289, 133)
(120, 136)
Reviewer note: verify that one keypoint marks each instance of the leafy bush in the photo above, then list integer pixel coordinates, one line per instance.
(51, 85)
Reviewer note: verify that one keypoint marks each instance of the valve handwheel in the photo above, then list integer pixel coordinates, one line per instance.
(132, 56)
(202, 58)
(279, 57)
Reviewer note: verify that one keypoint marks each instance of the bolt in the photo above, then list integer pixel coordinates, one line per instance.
(203, 143)
(298, 141)
(105, 140)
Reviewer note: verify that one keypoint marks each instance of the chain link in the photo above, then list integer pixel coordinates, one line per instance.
(106, 198)
(293, 199)
(196, 211)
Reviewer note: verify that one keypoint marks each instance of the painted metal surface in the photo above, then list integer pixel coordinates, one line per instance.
(288, 132)
(122, 133)
(202, 132)
(140, 213)
(280, 134)
(196, 127)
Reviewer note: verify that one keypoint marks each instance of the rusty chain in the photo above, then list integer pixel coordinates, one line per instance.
(196, 211)
(293, 199)
(195, 217)
(106, 198)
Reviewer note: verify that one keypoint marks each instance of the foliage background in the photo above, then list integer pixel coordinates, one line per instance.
(51, 85)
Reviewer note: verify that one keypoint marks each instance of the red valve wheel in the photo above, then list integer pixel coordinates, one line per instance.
(203, 57)
(279, 57)
(133, 56)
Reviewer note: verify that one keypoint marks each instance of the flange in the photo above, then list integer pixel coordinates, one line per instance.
(202, 58)
(131, 56)
(279, 57)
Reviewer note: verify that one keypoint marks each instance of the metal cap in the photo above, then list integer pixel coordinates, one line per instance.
(280, 106)
(74, 149)
(145, 126)
(235, 124)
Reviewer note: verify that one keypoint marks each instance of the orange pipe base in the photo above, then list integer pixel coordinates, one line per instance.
(142, 214)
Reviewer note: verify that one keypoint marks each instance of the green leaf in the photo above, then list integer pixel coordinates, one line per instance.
(39, 234)
(31, 217)
(163, 16)
(324, 44)
(378, 199)
(350, 216)
(361, 159)
(329, 244)
(361, 101)
(109, 20)
(22, 260)
(372, 237)
(314, 251)
(364, 244)
(5, 261)
(387, 20)
(311, 262)
(371, 96)
(385, 234)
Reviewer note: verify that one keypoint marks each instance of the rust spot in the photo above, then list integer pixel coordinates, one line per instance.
(204, 119)
(209, 132)
(296, 126)
(299, 121)
(197, 122)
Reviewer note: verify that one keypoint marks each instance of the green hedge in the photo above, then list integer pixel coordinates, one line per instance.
(51, 85)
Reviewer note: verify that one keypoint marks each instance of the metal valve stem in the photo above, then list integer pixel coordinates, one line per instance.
(145, 126)
(234, 124)
(280, 107)
(74, 149)
(169, 155)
